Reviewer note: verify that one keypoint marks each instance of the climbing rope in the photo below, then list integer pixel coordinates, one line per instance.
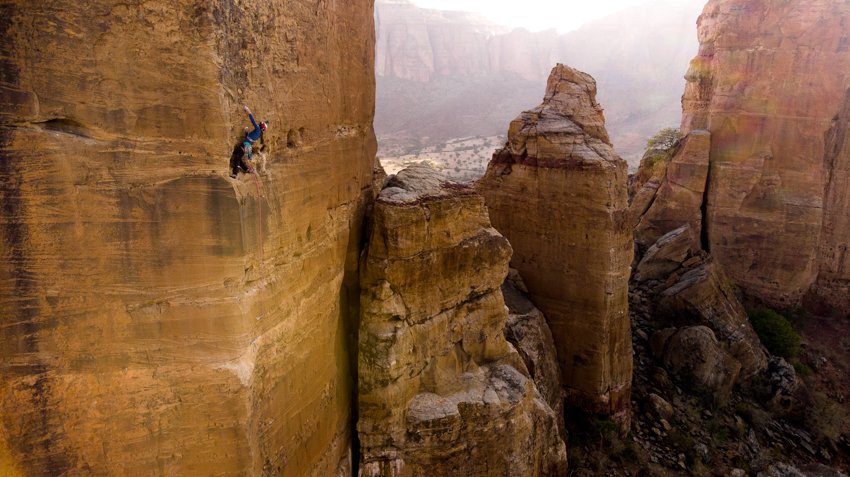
(260, 192)
(259, 214)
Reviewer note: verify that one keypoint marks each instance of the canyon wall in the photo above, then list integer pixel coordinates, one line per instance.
(157, 316)
(444, 75)
(422, 44)
(558, 192)
(831, 292)
(442, 392)
(769, 84)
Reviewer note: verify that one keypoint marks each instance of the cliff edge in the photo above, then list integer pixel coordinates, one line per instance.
(158, 316)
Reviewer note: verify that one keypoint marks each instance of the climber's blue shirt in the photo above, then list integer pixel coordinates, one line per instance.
(254, 135)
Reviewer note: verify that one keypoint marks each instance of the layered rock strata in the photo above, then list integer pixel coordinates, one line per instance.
(702, 295)
(677, 197)
(441, 390)
(557, 191)
(774, 193)
(528, 331)
(831, 292)
(157, 317)
(696, 359)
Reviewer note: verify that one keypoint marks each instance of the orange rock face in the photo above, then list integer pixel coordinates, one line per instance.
(768, 81)
(157, 316)
(557, 191)
(441, 391)
(678, 200)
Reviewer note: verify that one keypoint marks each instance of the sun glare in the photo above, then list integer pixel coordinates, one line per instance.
(536, 15)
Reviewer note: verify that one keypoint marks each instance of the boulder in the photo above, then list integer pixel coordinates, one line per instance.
(660, 407)
(697, 361)
(667, 254)
(704, 296)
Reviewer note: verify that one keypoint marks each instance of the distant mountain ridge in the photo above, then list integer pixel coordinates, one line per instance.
(443, 75)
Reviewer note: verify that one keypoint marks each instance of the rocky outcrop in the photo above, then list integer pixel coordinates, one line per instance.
(667, 255)
(442, 392)
(557, 191)
(831, 292)
(528, 331)
(703, 295)
(696, 359)
(158, 317)
(678, 196)
(772, 156)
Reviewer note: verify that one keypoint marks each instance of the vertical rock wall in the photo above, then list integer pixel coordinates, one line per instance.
(768, 81)
(157, 317)
(831, 292)
(558, 193)
(442, 392)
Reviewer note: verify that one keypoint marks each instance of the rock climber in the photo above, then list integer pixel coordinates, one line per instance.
(237, 161)
(252, 136)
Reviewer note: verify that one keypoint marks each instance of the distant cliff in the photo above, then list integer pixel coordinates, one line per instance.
(444, 75)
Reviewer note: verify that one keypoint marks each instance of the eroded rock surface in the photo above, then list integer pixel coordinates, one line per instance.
(772, 154)
(667, 254)
(695, 359)
(677, 199)
(831, 292)
(558, 192)
(703, 295)
(529, 332)
(157, 317)
(442, 392)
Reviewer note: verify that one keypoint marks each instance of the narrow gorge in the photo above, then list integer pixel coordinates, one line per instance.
(316, 317)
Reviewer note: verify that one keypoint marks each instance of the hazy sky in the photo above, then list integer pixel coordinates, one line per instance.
(564, 15)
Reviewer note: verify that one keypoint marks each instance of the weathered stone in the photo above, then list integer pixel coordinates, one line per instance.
(558, 193)
(667, 254)
(679, 198)
(658, 341)
(703, 296)
(697, 361)
(528, 331)
(157, 317)
(765, 209)
(660, 407)
(442, 392)
(831, 292)
(784, 385)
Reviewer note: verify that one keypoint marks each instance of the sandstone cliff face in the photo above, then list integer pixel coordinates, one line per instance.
(158, 317)
(766, 213)
(832, 289)
(678, 197)
(441, 391)
(557, 191)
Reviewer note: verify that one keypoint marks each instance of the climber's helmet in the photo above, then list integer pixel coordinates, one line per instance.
(264, 125)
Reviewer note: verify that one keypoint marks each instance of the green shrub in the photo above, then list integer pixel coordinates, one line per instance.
(605, 427)
(776, 333)
(802, 369)
(664, 139)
